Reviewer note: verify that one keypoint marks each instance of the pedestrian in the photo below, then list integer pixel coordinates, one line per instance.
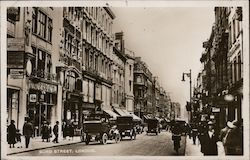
(210, 141)
(27, 131)
(50, 131)
(45, 131)
(194, 134)
(224, 133)
(233, 141)
(64, 130)
(55, 131)
(201, 132)
(18, 139)
(11, 134)
(71, 130)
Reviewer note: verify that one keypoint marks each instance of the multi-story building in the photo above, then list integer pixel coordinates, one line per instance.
(129, 81)
(156, 96)
(142, 88)
(235, 60)
(222, 64)
(118, 88)
(32, 84)
(86, 51)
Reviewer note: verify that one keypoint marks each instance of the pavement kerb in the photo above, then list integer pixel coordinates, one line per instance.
(43, 148)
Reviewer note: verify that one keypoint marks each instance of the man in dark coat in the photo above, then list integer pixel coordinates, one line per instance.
(45, 131)
(55, 131)
(27, 132)
(210, 141)
(11, 130)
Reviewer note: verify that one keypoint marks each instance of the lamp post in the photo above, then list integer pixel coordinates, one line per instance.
(190, 82)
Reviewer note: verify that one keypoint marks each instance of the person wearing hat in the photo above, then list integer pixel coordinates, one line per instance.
(55, 131)
(11, 136)
(234, 139)
(27, 131)
(210, 140)
(224, 133)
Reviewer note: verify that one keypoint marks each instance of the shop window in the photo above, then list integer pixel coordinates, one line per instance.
(13, 105)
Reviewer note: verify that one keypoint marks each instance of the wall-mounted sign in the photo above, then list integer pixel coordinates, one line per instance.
(16, 73)
(44, 87)
(28, 68)
(15, 44)
(32, 97)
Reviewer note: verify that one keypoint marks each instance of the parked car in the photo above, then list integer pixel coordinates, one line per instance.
(126, 126)
(97, 130)
(153, 126)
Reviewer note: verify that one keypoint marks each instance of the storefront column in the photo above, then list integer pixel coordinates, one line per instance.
(23, 104)
(59, 108)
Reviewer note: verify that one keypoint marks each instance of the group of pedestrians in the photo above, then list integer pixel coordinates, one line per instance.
(229, 141)
(14, 135)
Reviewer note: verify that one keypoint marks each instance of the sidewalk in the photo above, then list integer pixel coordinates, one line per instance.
(36, 144)
(193, 149)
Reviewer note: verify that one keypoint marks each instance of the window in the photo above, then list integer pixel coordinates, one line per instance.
(130, 86)
(138, 79)
(130, 70)
(238, 27)
(50, 27)
(230, 37)
(239, 67)
(70, 46)
(96, 63)
(42, 24)
(41, 63)
(34, 20)
(234, 31)
(235, 71)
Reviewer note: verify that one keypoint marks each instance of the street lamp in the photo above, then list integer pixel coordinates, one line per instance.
(190, 81)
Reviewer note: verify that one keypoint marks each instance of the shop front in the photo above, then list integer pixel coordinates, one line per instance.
(13, 105)
(42, 101)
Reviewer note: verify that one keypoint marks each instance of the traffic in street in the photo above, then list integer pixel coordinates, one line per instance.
(144, 145)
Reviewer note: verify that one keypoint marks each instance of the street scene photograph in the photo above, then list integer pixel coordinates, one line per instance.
(104, 80)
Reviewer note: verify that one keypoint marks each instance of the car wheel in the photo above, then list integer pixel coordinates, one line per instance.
(104, 138)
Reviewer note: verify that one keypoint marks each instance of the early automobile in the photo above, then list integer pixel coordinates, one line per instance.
(153, 126)
(98, 130)
(126, 126)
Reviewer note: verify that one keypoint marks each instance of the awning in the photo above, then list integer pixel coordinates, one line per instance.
(127, 113)
(111, 113)
(135, 117)
(120, 112)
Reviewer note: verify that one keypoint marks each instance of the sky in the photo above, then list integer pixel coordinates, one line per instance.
(169, 40)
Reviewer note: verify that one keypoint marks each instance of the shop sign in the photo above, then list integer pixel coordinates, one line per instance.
(15, 44)
(32, 97)
(44, 87)
(16, 73)
(214, 109)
